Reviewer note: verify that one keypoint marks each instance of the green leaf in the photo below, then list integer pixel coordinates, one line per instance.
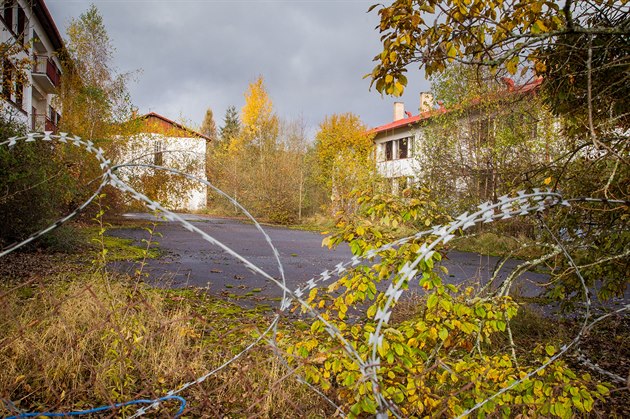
(445, 304)
(443, 334)
(467, 328)
(349, 379)
(559, 409)
(369, 405)
(355, 409)
(355, 247)
(550, 349)
(452, 52)
(603, 390)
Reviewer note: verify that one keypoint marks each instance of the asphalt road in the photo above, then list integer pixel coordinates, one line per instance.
(191, 261)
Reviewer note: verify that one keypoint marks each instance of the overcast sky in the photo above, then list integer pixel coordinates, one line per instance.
(200, 54)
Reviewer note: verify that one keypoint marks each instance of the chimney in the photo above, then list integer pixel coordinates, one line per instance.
(426, 101)
(399, 111)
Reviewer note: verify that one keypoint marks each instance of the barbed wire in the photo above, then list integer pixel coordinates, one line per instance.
(524, 203)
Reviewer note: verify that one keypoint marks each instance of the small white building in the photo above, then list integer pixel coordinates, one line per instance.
(396, 142)
(29, 33)
(157, 140)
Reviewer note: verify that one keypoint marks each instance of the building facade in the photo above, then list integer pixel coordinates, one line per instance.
(395, 143)
(470, 144)
(156, 140)
(31, 67)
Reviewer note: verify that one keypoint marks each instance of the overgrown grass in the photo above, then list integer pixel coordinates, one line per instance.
(118, 248)
(493, 244)
(89, 339)
(125, 249)
(75, 336)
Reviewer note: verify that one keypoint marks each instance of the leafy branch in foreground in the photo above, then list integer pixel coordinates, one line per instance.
(457, 351)
(516, 35)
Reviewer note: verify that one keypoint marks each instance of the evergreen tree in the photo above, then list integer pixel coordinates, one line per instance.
(231, 126)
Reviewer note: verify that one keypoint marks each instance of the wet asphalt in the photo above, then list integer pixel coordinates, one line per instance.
(188, 260)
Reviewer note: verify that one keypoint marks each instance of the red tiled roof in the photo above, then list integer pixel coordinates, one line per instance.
(174, 124)
(407, 121)
(429, 114)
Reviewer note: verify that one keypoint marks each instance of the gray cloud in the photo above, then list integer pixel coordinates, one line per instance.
(199, 54)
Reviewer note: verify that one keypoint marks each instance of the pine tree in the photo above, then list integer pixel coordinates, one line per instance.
(231, 125)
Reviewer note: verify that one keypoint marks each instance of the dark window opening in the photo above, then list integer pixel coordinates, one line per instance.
(19, 94)
(389, 150)
(8, 14)
(21, 24)
(7, 79)
(479, 130)
(403, 148)
(158, 157)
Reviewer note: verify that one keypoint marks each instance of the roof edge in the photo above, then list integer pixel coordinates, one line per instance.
(175, 124)
(43, 15)
(525, 88)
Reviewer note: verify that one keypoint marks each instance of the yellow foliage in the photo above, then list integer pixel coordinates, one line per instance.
(257, 116)
(343, 148)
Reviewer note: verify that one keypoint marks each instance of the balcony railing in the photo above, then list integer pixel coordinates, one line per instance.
(46, 66)
(43, 123)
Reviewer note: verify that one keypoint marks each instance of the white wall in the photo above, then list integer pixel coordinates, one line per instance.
(177, 153)
(394, 168)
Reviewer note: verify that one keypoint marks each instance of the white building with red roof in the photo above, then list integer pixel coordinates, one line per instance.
(159, 141)
(397, 143)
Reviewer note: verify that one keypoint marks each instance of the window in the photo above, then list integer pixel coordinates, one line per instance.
(158, 157)
(523, 123)
(397, 149)
(403, 148)
(19, 94)
(389, 150)
(7, 14)
(480, 130)
(7, 79)
(21, 25)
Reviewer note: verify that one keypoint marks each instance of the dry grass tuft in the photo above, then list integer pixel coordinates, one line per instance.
(90, 340)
